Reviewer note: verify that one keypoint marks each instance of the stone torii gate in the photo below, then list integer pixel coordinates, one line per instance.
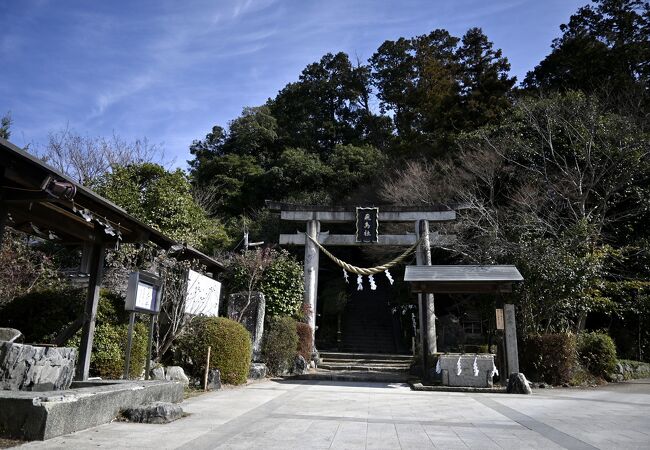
(314, 216)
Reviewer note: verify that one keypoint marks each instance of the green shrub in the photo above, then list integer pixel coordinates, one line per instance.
(305, 340)
(109, 350)
(597, 353)
(549, 357)
(279, 344)
(230, 353)
(283, 287)
(41, 315)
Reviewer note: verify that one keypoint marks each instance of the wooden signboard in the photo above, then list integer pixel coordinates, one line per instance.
(499, 319)
(367, 224)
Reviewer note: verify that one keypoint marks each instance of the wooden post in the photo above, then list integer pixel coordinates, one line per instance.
(147, 367)
(90, 311)
(207, 370)
(419, 260)
(129, 343)
(311, 271)
(512, 353)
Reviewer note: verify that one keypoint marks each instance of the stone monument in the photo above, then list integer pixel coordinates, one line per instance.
(248, 309)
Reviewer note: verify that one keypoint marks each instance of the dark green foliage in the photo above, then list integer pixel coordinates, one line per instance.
(26, 267)
(604, 47)
(305, 340)
(549, 357)
(282, 285)
(109, 350)
(279, 344)
(597, 353)
(41, 315)
(163, 200)
(275, 273)
(111, 336)
(230, 350)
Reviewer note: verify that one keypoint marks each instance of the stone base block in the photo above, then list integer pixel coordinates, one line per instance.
(44, 415)
(467, 378)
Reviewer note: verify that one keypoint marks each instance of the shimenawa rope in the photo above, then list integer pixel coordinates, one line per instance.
(363, 270)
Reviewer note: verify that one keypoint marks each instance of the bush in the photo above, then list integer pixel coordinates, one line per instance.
(597, 353)
(279, 344)
(305, 340)
(41, 315)
(230, 353)
(549, 357)
(283, 287)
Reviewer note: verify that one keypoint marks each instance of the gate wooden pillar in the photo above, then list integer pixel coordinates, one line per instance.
(311, 270)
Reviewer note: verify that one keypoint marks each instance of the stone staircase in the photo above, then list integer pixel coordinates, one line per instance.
(367, 325)
(337, 366)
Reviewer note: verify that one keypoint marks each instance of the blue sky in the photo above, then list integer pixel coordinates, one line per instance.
(169, 70)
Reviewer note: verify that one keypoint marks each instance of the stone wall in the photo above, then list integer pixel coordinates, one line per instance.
(31, 368)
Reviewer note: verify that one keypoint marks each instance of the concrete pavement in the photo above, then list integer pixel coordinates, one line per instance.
(321, 414)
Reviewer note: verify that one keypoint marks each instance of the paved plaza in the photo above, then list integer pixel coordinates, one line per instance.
(321, 415)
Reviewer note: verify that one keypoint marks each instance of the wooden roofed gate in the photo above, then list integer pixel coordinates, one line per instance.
(39, 200)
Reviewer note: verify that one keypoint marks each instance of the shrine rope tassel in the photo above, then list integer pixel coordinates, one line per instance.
(363, 270)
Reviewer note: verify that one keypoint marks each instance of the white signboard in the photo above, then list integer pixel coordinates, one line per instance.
(145, 296)
(202, 295)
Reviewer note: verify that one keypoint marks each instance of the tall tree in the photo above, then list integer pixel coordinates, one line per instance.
(605, 46)
(326, 106)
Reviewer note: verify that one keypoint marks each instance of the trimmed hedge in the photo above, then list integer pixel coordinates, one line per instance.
(279, 344)
(230, 353)
(597, 353)
(305, 340)
(549, 357)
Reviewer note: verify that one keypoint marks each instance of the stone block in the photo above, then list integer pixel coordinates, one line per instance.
(214, 380)
(44, 415)
(449, 369)
(158, 373)
(300, 366)
(249, 311)
(257, 371)
(10, 335)
(518, 384)
(33, 368)
(157, 412)
(176, 373)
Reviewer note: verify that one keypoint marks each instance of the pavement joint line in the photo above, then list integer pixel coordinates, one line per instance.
(391, 421)
(553, 434)
(240, 423)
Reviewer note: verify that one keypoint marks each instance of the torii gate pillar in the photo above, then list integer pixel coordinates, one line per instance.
(311, 271)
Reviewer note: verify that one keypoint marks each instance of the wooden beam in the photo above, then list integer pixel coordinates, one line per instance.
(384, 216)
(90, 311)
(437, 287)
(350, 239)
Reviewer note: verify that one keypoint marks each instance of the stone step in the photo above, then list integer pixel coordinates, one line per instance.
(372, 362)
(366, 356)
(355, 375)
(364, 367)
